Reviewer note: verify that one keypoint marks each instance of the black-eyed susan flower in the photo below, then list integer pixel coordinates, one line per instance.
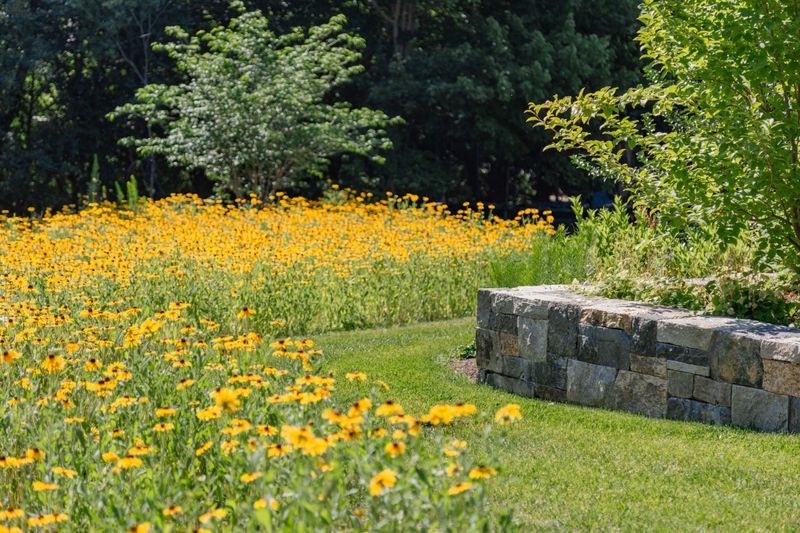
(61, 471)
(389, 408)
(9, 356)
(53, 364)
(481, 472)
(245, 312)
(172, 510)
(395, 448)
(458, 488)
(249, 478)
(227, 399)
(210, 515)
(204, 448)
(508, 413)
(381, 481)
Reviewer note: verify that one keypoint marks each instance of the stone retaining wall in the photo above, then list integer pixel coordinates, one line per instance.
(547, 342)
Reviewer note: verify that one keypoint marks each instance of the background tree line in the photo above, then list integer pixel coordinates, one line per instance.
(458, 72)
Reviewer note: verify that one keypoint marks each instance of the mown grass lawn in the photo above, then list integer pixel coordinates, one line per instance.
(574, 468)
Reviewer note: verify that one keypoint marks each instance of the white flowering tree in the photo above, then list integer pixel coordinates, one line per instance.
(258, 111)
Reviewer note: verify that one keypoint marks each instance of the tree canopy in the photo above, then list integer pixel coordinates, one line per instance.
(459, 72)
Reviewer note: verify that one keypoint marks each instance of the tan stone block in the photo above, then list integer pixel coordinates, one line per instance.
(781, 377)
(509, 344)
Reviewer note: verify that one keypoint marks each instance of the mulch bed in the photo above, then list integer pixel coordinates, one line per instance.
(468, 367)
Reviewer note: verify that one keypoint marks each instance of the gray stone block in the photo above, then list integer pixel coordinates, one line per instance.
(532, 338)
(681, 384)
(689, 369)
(503, 323)
(653, 366)
(589, 384)
(736, 359)
(551, 373)
(562, 329)
(502, 301)
(693, 332)
(694, 411)
(487, 350)
(550, 394)
(794, 415)
(516, 367)
(781, 377)
(759, 409)
(710, 391)
(534, 309)
(517, 386)
(604, 346)
(640, 394)
(682, 354)
(643, 338)
(484, 309)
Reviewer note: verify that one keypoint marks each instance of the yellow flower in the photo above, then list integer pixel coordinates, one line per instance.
(356, 376)
(459, 488)
(385, 479)
(34, 454)
(267, 431)
(229, 445)
(39, 486)
(481, 472)
(53, 364)
(140, 449)
(395, 448)
(227, 399)
(144, 527)
(209, 413)
(261, 503)
(110, 457)
(173, 510)
(245, 312)
(508, 414)
(9, 356)
(126, 463)
(11, 513)
(47, 519)
(204, 448)
(389, 408)
(277, 450)
(93, 364)
(249, 478)
(165, 411)
(213, 513)
(164, 426)
(60, 471)
(184, 383)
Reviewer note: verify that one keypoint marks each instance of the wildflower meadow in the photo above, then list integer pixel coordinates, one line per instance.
(148, 382)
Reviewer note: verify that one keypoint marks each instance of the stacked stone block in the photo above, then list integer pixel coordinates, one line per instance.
(547, 342)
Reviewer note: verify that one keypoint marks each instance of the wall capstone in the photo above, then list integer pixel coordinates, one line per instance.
(548, 342)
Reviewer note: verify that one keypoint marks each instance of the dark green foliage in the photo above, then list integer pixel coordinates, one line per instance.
(637, 260)
(460, 72)
(716, 134)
